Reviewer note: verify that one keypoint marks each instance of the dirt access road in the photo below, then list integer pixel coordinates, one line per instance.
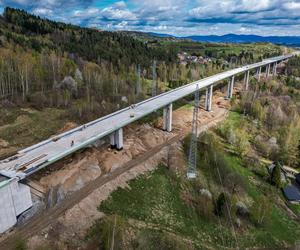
(50, 216)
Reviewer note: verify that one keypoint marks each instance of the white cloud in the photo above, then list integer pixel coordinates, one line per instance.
(112, 13)
(90, 12)
(122, 25)
(43, 11)
(292, 6)
(255, 5)
(161, 28)
(183, 17)
(120, 5)
(245, 30)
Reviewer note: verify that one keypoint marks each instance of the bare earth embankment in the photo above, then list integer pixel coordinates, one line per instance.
(75, 187)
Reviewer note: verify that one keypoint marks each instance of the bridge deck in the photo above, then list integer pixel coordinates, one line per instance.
(33, 158)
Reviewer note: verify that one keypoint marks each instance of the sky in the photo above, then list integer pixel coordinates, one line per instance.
(174, 17)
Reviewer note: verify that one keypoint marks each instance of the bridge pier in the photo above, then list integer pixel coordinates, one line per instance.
(208, 99)
(116, 139)
(268, 71)
(258, 72)
(168, 117)
(274, 71)
(247, 76)
(112, 140)
(230, 88)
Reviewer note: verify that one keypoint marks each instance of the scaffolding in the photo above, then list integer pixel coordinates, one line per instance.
(192, 161)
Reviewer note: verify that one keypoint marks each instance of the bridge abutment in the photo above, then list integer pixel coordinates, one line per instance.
(15, 199)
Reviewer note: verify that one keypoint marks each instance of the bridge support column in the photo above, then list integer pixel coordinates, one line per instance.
(275, 69)
(208, 99)
(112, 140)
(247, 76)
(116, 139)
(230, 88)
(268, 71)
(168, 118)
(258, 73)
(119, 139)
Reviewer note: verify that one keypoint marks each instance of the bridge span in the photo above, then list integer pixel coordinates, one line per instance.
(16, 196)
(38, 156)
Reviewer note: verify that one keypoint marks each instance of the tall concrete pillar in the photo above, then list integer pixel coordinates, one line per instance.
(275, 69)
(259, 74)
(112, 138)
(168, 118)
(247, 76)
(116, 139)
(230, 88)
(119, 139)
(268, 71)
(208, 99)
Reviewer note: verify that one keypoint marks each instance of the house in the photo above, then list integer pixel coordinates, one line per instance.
(292, 194)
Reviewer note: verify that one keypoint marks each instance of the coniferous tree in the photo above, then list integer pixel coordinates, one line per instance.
(276, 175)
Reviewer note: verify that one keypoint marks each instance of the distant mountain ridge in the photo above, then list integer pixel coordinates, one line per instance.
(234, 38)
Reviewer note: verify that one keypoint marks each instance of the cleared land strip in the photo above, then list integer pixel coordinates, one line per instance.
(38, 156)
(47, 217)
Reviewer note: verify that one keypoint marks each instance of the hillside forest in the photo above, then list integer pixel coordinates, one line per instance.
(46, 64)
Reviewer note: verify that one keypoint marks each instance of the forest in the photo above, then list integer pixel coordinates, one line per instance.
(89, 72)
(55, 76)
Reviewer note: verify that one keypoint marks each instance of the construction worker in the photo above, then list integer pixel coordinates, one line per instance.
(72, 143)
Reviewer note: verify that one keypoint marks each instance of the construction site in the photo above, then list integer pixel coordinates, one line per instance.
(71, 189)
(62, 198)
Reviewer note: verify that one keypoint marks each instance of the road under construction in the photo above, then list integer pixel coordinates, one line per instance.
(16, 196)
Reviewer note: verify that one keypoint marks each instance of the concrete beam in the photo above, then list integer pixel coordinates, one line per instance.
(230, 88)
(247, 77)
(168, 117)
(208, 99)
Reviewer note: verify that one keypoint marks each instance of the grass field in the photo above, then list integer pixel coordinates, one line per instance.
(23, 127)
(156, 202)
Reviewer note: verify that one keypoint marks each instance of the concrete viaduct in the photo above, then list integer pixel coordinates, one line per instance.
(16, 196)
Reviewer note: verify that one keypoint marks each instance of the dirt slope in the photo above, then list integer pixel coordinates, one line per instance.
(98, 171)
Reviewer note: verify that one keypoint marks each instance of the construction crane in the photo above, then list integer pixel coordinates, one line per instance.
(192, 161)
